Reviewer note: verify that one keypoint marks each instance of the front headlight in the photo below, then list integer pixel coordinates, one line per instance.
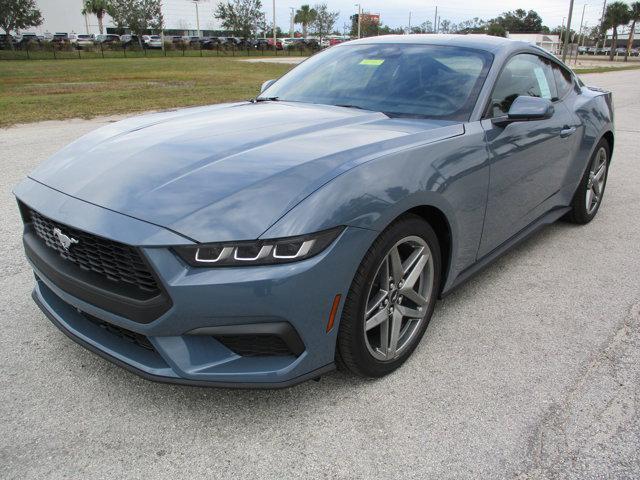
(258, 252)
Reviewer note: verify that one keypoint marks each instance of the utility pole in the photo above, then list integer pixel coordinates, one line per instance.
(580, 31)
(197, 17)
(562, 29)
(435, 21)
(359, 17)
(275, 36)
(438, 26)
(566, 37)
(291, 34)
(602, 30)
(409, 22)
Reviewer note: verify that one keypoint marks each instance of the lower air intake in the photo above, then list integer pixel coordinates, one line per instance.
(255, 345)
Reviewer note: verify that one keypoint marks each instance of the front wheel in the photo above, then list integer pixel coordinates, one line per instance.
(391, 299)
(588, 197)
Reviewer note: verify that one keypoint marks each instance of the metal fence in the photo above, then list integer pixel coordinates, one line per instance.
(52, 51)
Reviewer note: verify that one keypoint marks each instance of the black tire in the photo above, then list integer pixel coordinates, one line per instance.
(352, 353)
(579, 213)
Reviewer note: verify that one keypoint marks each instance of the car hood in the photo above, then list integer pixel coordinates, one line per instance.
(226, 172)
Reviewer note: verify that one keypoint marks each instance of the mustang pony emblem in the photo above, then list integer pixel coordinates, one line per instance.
(64, 240)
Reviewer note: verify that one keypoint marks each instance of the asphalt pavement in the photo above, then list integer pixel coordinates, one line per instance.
(529, 371)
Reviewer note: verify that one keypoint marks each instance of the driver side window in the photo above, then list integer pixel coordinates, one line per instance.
(524, 74)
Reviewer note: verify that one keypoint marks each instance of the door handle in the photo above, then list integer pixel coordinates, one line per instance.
(567, 131)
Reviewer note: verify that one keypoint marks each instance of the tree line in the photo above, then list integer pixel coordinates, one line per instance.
(243, 18)
(246, 18)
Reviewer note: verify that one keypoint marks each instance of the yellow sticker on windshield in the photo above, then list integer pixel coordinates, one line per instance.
(371, 61)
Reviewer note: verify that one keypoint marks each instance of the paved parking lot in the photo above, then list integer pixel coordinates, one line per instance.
(531, 370)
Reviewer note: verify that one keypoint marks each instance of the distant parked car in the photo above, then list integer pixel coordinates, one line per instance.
(278, 43)
(85, 41)
(6, 41)
(288, 42)
(583, 50)
(23, 39)
(261, 44)
(60, 37)
(592, 50)
(179, 39)
(153, 41)
(108, 38)
(265, 44)
(208, 43)
(237, 42)
(293, 43)
(621, 51)
(634, 52)
(312, 43)
(194, 41)
(129, 40)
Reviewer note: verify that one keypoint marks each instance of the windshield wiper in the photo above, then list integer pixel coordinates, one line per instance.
(265, 99)
(406, 115)
(346, 105)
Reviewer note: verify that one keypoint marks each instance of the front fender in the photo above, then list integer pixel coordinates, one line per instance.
(451, 175)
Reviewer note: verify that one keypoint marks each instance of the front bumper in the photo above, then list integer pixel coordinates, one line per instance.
(181, 345)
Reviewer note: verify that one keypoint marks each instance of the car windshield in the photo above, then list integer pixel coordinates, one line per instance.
(422, 81)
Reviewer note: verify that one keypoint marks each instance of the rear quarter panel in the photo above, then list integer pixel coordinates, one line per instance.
(594, 110)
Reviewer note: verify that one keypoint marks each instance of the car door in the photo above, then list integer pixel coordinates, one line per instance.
(528, 159)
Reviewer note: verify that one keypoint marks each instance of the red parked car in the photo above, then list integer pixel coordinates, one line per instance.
(278, 43)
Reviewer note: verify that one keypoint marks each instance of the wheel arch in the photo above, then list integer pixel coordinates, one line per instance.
(608, 136)
(437, 219)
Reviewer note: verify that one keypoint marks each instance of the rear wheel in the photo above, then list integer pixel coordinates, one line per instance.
(391, 299)
(588, 197)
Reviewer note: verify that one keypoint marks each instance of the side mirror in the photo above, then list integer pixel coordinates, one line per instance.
(526, 108)
(266, 85)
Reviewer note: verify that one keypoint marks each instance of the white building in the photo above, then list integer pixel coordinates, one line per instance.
(179, 15)
(623, 39)
(547, 41)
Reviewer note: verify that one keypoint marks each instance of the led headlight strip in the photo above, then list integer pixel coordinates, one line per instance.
(258, 252)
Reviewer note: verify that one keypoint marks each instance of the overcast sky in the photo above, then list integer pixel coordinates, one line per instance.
(396, 12)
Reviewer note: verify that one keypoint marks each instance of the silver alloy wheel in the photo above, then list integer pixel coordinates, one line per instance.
(398, 298)
(595, 184)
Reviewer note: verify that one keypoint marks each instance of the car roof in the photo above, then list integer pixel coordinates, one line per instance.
(481, 42)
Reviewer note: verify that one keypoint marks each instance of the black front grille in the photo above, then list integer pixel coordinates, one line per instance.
(255, 345)
(127, 335)
(115, 261)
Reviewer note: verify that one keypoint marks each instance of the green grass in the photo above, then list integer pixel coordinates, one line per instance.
(31, 91)
(605, 69)
(57, 89)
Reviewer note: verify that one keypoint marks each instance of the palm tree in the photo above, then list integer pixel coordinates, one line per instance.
(635, 17)
(305, 15)
(617, 14)
(97, 8)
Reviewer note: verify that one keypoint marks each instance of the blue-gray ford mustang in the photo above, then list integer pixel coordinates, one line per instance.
(264, 242)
